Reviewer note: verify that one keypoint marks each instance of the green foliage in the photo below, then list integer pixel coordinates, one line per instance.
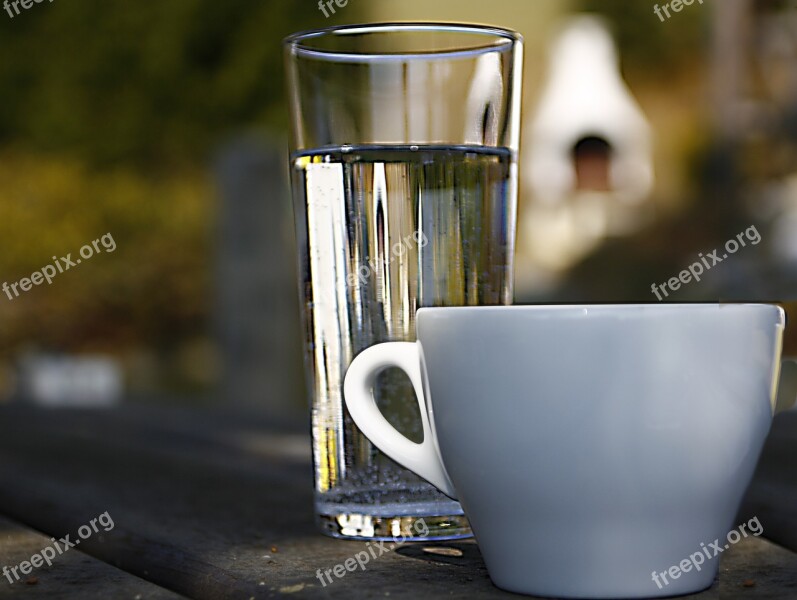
(152, 290)
(649, 46)
(157, 83)
(111, 114)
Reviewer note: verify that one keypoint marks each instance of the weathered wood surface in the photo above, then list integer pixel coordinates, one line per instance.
(213, 506)
(73, 574)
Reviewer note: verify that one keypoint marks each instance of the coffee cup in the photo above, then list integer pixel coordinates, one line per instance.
(590, 446)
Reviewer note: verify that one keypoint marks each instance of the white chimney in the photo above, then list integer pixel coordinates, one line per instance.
(586, 97)
(588, 161)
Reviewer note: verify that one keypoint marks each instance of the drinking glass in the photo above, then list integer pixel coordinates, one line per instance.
(404, 177)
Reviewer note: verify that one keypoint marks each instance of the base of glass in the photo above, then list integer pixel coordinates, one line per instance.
(404, 527)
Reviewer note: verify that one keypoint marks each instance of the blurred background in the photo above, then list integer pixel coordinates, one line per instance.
(651, 137)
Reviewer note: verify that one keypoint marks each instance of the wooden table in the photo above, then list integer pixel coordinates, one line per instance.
(207, 505)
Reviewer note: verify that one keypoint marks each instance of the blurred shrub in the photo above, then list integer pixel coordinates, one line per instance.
(152, 290)
(650, 47)
(157, 83)
(112, 112)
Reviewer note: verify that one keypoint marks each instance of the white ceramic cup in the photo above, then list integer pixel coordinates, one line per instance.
(590, 446)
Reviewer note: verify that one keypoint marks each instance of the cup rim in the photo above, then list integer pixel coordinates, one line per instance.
(503, 40)
(638, 306)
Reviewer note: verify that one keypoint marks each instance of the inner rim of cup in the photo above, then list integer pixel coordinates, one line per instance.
(401, 41)
(609, 307)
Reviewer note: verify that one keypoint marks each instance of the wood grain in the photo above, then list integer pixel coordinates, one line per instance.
(214, 506)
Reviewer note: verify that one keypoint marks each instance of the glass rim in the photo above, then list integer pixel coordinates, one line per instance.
(298, 44)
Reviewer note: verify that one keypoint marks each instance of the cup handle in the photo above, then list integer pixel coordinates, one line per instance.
(358, 386)
(787, 388)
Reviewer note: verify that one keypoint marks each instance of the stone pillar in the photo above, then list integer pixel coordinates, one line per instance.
(257, 312)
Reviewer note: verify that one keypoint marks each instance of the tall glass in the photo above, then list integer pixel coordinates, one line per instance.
(404, 175)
